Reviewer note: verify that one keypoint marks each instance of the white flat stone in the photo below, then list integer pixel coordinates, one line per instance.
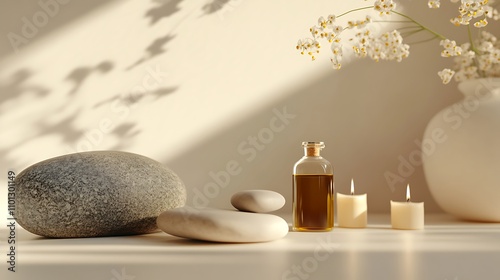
(258, 201)
(222, 225)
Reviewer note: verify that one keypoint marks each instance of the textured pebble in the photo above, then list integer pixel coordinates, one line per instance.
(222, 225)
(258, 201)
(101, 193)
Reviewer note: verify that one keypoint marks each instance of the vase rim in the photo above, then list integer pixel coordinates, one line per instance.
(482, 84)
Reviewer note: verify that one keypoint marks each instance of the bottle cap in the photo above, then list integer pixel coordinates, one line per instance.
(314, 144)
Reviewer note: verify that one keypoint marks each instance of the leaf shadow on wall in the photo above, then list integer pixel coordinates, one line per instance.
(166, 8)
(14, 14)
(18, 86)
(163, 9)
(366, 126)
(65, 128)
(78, 75)
(63, 124)
(214, 6)
(126, 133)
(154, 49)
(132, 99)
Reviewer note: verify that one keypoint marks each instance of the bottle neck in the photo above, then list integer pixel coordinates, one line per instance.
(311, 151)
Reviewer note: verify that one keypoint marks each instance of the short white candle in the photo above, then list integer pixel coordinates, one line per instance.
(351, 209)
(407, 215)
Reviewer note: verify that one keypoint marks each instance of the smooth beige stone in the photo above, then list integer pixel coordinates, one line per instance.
(258, 201)
(222, 225)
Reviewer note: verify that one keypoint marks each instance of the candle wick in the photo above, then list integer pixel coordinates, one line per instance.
(352, 193)
(408, 199)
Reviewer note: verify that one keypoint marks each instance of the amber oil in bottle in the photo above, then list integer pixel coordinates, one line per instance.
(313, 191)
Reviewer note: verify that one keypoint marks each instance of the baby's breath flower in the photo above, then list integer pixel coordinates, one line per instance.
(398, 49)
(388, 46)
(466, 59)
(336, 49)
(326, 23)
(457, 21)
(495, 15)
(477, 58)
(336, 55)
(446, 75)
(481, 23)
(450, 48)
(326, 29)
(471, 9)
(384, 7)
(467, 73)
(308, 46)
(336, 63)
(359, 23)
(329, 36)
(488, 58)
(484, 61)
(433, 4)
(368, 19)
(316, 31)
(322, 22)
(488, 37)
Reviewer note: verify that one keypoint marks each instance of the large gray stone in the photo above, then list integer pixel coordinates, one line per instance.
(101, 193)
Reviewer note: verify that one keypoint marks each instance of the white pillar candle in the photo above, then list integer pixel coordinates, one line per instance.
(351, 209)
(407, 215)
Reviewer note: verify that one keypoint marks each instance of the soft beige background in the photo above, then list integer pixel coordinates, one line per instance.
(188, 82)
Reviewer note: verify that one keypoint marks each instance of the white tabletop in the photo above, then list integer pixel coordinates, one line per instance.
(446, 249)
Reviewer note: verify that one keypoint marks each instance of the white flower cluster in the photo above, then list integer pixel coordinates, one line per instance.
(359, 23)
(434, 4)
(471, 9)
(384, 6)
(483, 61)
(326, 29)
(450, 48)
(309, 46)
(479, 58)
(388, 46)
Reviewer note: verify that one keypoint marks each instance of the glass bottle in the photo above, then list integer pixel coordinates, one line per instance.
(313, 190)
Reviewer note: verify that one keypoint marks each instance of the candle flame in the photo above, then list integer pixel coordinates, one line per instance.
(408, 193)
(352, 186)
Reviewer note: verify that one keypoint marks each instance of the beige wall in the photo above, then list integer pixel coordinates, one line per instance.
(188, 82)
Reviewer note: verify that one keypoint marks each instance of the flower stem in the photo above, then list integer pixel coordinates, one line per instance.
(411, 27)
(411, 32)
(355, 10)
(392, 21)
(423, 41)
(476, 51)
(471, 41)
(437, 35)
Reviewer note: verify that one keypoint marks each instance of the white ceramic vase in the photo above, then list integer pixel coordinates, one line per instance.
(461, 153)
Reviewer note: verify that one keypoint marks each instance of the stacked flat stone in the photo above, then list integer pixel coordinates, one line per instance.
(257, 201)
(230, 225)
(218, 225)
